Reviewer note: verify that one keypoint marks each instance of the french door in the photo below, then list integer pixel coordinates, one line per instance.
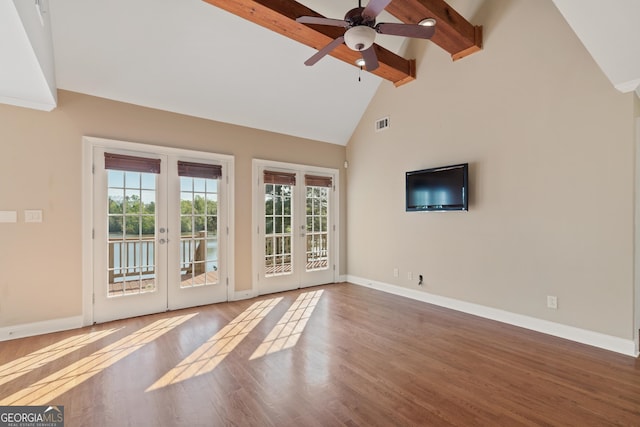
(160, 231)
(295, 223)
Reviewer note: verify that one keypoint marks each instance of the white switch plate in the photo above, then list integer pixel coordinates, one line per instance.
(33, 216)
(8, 216)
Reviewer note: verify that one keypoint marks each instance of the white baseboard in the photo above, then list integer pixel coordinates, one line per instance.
(39, 328)
(596, 339)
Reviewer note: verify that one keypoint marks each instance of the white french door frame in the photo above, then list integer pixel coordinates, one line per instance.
(636, 284)
(89, 146)
(257, 244)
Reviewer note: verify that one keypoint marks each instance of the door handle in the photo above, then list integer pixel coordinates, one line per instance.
(163, 241)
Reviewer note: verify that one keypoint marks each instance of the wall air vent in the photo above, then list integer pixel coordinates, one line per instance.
(382, 124)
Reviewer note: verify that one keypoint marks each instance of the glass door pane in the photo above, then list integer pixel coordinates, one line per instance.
(278, 235)
(317, 228)
(198, 232)
(131, 266)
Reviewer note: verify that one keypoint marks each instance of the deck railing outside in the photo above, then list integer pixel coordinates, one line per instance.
(131, 258)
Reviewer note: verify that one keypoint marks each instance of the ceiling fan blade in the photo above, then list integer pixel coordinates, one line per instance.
(324, 51)
(373, 9)
(322, 21)
(370, 58)
(406, 30)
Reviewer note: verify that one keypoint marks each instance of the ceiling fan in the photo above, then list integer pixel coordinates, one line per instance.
(361, 30)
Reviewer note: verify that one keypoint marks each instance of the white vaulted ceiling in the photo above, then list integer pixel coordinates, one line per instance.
(610, 31)
(26, 57)
(189, 57)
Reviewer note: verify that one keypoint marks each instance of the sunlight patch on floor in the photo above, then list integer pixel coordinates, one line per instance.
(211, 353)
(32, 361)
(49, 388)
(288, 330)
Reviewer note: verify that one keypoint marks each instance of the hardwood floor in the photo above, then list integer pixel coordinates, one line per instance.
(325, 356)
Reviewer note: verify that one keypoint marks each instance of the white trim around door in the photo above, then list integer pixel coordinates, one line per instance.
(296, 230)
(217, 201)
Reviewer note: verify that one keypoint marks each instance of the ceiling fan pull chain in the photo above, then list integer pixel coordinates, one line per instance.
(360, 74)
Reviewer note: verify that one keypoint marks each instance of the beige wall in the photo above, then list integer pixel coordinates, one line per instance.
(551, 150)
(40, 168)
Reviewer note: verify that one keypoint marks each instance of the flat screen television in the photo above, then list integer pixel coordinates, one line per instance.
(438, 189)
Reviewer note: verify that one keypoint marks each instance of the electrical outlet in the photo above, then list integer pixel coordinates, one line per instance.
(552, 302)
(396, 272)
(33, 216)
(409, 275)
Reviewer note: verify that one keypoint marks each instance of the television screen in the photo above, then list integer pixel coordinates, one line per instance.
(438, 189)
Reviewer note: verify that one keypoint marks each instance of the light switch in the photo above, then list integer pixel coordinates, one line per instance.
(33, 216)
(8, 216)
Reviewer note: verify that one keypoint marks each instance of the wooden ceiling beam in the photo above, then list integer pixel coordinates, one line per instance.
(280, 16)
(453, 33)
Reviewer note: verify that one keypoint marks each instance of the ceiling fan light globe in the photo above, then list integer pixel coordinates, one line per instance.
(428, 22)
(360, 37)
